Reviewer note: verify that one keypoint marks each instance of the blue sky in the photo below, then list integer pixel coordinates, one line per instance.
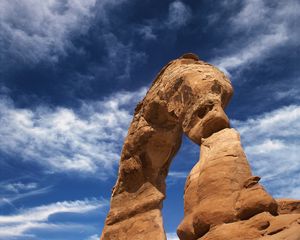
(72, 72)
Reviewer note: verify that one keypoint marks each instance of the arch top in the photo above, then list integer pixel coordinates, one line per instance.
(190, 56)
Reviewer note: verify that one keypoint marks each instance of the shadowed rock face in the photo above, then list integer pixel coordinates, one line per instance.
(222, 199)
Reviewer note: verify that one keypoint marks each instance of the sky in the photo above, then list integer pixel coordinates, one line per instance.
(71, 73)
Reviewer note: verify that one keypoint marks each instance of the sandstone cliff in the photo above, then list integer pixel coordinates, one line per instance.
(222, 199)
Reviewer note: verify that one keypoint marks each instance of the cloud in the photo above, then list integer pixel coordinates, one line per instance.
(179, 15)
(33, 31)
(146, 32)
(288, 94)
(176, 176)
(10, 198)
(253, 51)
(172, 236)
(18, 186)
(93, 237)
(121, 57)
(252, 14)
(271, 142)
(258, 30)
(21, 223)
(86, 140)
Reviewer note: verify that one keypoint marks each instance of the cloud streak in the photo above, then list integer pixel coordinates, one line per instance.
(21, 223)
(258, 30)
(34, 31)
(86, 140)
(9, 199)
(18, 186)
(179, 14)
(172, 236)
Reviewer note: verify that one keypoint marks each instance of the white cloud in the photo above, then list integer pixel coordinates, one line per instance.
(63, 140)
(147, 32)
(179, 14)
(18, 186)
(37, 217)
(175, 176)
(271, 142)
(93, 237)
(10, 198)
(32, 31)
(257, 31)
(267, 146)
(252, 14)
(288, 94)
(42, 213)
(254, 50)
(121, 57)
(172, 236)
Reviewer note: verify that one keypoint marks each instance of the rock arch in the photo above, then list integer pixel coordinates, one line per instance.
(222, 199)
(188, 96)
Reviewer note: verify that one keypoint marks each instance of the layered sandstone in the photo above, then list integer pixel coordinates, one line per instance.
(188, 96)
(220, 188)
(222, 199)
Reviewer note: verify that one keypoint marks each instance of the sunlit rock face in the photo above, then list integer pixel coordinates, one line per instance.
(222, 199)
(188, 96)
(220, 188)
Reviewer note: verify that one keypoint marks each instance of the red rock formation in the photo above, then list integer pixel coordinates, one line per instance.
(187, 96)
(222, 199)
(221, 189)
(286, 206)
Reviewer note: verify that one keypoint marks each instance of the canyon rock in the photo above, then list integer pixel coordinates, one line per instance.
(221, 188)
(286, 206)
(188, 96)
(223, 200)
(262, 226)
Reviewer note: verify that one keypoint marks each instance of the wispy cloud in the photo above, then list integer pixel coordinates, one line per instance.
(33, 31)
(272, 142)
(21, 223)
(121, 54)
(19, 186)
(10, 198)
(175, 176)
(292, 93)
(87, 140)
(179, 14)
(172, 236)
(147, 32)
(93, 237)
(258, 30)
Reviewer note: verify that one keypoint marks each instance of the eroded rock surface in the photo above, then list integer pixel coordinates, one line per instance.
(286, 206)
(188, 96)
(222, 199)
(221, 188)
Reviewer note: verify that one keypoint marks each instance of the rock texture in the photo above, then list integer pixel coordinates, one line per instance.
(189, 96)
(222, 199)
(286, 206)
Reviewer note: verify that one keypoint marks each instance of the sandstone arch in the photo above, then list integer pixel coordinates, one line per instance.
(189, 96)
(222, 200)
